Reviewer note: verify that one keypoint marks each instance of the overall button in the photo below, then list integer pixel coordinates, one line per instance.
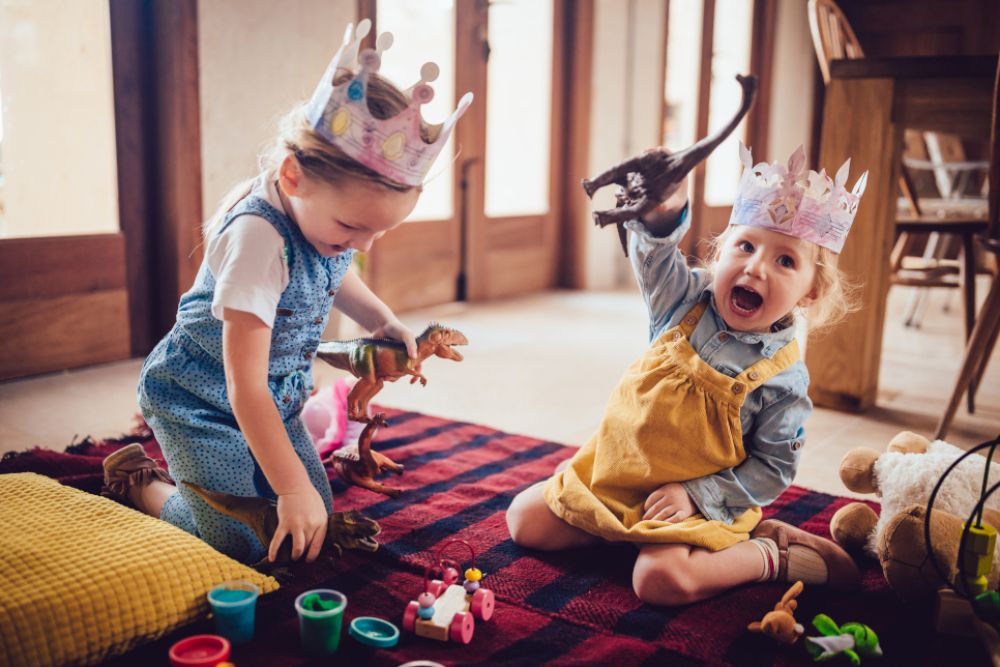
(332, 292)
(286, 399)
(797, 445)
(688, 320)
(753, 375)
(318, 320)
(307, 354)
(677, 335)
(723, 337)
(737, 387)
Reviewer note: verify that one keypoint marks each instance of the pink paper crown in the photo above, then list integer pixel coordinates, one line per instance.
(392, 147)
(797, 201)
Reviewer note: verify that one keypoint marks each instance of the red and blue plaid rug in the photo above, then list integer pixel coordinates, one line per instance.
(570, 608)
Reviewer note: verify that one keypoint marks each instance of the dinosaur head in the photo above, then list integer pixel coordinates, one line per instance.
(438, 340)
(353, 530)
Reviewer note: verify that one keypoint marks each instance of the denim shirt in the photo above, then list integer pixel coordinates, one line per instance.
(772, 416)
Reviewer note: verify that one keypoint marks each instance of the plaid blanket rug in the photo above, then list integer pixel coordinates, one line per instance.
(571, 608)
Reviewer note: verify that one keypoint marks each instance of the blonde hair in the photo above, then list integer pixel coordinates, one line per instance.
(835, 295)
(319, 159)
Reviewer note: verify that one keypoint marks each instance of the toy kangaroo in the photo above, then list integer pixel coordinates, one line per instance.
(345, 530)
(780, 624)
(650, 178)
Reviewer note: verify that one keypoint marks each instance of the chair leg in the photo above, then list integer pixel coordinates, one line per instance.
(986, 324)
(967, 280)
(978, 376)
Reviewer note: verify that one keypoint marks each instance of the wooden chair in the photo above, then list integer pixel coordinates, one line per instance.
(833, 38)
(987, 324)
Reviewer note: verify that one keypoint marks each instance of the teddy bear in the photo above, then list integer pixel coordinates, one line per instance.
(903, 477)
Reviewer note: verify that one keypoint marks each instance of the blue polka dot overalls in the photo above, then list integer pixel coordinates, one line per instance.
(183, 397)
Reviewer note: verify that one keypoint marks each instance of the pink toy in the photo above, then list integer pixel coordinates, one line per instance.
(325, 416)
(446, 609)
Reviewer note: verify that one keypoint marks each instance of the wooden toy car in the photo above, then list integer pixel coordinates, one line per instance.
(446, 609)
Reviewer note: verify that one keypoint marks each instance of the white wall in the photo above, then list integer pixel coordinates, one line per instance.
(625, 106)
(257, 59)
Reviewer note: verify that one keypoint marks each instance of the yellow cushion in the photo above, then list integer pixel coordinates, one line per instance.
(83, 578)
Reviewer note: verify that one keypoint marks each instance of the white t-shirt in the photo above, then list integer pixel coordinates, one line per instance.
(247, 262)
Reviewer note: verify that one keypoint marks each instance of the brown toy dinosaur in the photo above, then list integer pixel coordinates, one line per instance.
(346, 530)
(375, 361)
(650, 178)
(359, 464)
(780, 624)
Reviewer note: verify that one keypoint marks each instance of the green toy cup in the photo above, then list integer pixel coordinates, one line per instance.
(321, 616)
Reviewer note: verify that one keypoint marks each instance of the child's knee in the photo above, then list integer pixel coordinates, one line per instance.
(663, 581)
(519, 521)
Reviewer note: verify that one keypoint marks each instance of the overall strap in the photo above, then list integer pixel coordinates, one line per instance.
(691, 319)
(765, 369)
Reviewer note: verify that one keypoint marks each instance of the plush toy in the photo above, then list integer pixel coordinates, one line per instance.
(780, 624)
(904, 477)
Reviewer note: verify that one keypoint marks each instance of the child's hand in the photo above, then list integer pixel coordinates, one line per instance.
(398, 331)
(669, 210)
(670, 503)
(302, 515)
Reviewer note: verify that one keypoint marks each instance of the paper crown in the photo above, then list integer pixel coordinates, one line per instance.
(796, 201)
(393, 147)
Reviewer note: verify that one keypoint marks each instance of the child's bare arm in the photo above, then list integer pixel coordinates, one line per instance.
(358, 302)
(246, 345)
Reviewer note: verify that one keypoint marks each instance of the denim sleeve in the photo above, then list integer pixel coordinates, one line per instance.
(773, 452)
(664, 277)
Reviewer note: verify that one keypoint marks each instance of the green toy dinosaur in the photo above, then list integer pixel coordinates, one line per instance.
(346, 530)
(375, 361)
(851, 639)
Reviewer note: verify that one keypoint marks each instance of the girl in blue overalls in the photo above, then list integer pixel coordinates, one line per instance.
(223, 391)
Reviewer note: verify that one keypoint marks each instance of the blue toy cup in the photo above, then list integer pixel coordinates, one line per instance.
(234, 605)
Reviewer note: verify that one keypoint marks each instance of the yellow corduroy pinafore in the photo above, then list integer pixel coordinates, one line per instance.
(672, 418)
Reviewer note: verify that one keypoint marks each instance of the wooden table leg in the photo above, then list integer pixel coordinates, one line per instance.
(844, 361)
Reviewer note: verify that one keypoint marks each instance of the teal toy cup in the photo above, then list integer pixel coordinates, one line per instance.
(234, 605)
(321, 616)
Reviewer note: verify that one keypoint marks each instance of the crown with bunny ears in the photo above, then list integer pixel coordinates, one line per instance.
(797, 201)
(393, 147)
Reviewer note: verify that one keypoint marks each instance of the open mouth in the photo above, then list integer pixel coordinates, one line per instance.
(745, 301)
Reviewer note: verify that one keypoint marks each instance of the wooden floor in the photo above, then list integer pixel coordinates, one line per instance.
(544, 366)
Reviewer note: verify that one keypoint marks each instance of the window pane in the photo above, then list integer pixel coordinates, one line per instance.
(518, 111)
(57, 146)
(434, 41)
(680, 121)
(730, 56)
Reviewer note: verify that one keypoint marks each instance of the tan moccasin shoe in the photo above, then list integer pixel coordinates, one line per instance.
(841, 571)
(127, 468)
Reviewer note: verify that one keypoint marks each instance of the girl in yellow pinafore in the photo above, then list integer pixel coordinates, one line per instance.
(705, 427)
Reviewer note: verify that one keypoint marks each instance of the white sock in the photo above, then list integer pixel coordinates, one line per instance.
(769, 558)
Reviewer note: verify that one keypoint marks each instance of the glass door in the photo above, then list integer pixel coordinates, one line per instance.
(64, 297)
(709, 42)
(486, 223)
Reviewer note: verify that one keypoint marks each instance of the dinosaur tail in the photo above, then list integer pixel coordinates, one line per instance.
(694, 155)
(253, 511)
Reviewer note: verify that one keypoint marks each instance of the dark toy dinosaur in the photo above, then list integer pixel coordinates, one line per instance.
(375, 361)
(650, 178)
(345, 530)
